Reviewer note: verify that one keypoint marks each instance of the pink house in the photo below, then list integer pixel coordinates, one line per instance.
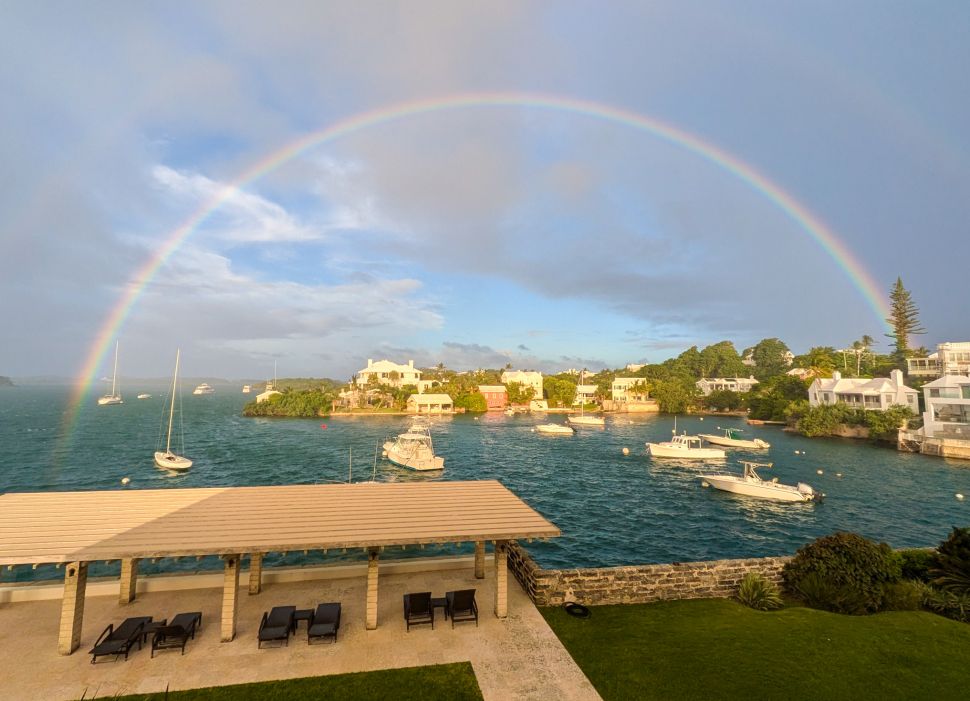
(495, 396)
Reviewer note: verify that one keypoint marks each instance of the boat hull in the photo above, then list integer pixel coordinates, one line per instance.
(109, 399)
(588, 421)
(171, 461)
(758, 490)
(661, 450)
(419, 463)
(554, 430)
(734, 442)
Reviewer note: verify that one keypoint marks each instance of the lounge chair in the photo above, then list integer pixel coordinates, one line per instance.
(324, 624)
(117, 641)
(177, 633)
(276, 625)
(461, 606)
(418, 609)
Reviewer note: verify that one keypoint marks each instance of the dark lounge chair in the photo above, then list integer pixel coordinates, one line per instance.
(418, 609)
(118, 641)
(461, 606)
(177, 633)
(276, 625)
(324, 624)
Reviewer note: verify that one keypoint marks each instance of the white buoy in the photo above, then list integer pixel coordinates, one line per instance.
(626, 451)
(532, 430)
(125, 481)
(796, 452)
(959, 496)
(819, 472)
(838, 474)
(702, 418)
(704, 483)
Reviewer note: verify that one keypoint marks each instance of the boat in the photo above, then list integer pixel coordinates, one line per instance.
(144, 396)
(115, 396)
(555, 429)
(732, 439)
(684, 447)
(167, 459)
(414, 450)
(582, 419)
(750, 484)
(247, 389)
(203, 389)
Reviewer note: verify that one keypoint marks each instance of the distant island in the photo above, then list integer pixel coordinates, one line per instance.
(6, 382)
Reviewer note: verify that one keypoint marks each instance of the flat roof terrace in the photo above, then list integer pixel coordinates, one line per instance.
(76, 528)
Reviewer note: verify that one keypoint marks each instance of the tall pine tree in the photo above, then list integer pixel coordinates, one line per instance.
(904, 318)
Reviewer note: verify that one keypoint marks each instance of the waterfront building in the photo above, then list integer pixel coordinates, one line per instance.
(949, 359)
(496, 396)
(707, 385)
(876, 394)
(947, 401)
(585, 394)
(620, 390)
(526, 378)
(389, 373)
(430, 404)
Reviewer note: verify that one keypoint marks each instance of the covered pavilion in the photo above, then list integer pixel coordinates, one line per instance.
(74, 529)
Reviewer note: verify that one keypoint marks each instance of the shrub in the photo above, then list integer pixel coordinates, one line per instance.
(916, 564)
(906, 595)
(952, 570)
(947, 603)
(820, 593)
(885, 425)
(759, 593)
(850, 568)
(472, 402)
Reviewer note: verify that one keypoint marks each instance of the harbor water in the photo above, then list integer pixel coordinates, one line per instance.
(613, 509)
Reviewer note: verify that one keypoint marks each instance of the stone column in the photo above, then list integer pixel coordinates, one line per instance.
(72, 607)
(480, 560)
(501, 579)
(230, 597)
(129, 580)
(372, 559)
(255, 573)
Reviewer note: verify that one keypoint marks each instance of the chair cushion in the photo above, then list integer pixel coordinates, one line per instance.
(322, 629)
(274, 632)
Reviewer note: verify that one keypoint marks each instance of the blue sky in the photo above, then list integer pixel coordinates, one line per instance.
(479, 236)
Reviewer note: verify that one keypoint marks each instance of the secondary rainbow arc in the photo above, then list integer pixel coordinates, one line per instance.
(797, 212)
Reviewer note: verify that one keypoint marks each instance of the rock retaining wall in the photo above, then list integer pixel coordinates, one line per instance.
(639, 583)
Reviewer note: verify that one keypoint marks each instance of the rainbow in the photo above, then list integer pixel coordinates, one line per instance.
(798, 213)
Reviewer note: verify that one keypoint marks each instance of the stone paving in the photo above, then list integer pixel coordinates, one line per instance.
(515, 658)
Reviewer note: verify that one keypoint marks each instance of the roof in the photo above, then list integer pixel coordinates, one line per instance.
(388, 366)
(39, 527)
(491, 388)
(430, 398)
(949, 381)
(859, 385)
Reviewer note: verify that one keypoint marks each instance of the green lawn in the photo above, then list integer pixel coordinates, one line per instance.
(445, 682)
(719, 649)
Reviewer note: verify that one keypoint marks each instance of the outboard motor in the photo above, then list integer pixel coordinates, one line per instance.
(808, 491)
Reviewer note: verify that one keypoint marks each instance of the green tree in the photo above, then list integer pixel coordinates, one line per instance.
(904, 319)
(473, 401)
(721, 360)
(520, 393)
(770, 357)
(673, 396)
(559, 390)
(822, 359)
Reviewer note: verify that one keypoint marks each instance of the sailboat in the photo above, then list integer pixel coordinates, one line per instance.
(582, 419)
(167, 459)
(115, 396)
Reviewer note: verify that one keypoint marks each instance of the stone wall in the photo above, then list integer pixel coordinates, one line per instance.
(638, 583)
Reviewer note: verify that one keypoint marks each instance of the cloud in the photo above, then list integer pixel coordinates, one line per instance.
(522, 347)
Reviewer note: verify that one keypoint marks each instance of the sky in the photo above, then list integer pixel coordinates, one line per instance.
(480, 234)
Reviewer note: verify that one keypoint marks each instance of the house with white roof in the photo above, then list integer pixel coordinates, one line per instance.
(949, 359)
(430, 404)
(388, 373)
(707, 385)
(526, 378)
(947, 402)
(620, 390)
(585, 394)
(876, 394)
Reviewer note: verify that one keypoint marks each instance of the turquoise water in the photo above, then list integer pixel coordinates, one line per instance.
(612, 509)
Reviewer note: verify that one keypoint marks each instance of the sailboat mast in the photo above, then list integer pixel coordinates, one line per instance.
(114, 375)
(171, 411)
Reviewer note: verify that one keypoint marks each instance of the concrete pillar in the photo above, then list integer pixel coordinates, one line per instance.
(230, 597)
(255, 573)
(501, 579)
(480, 560)
(372, 558)
(72, 607)
(129, 580)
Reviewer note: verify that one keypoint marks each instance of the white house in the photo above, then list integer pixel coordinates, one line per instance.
(949, 359)
(526, 378)
(430, 404)
(585, 394)
(389, 373)
(620, 390)
(877, 394)
(947, 412)
(732, 384)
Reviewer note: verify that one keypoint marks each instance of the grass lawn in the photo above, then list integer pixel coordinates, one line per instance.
(719, 649)
(445, 682)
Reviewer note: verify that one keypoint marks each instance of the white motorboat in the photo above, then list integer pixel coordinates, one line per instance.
(732, 439)
(144, 396)
(247, 389)
(686, 448)
(204, 388)
(750, 484)
(555, 429)
(166, 459)
(414, 449)
(115, 396)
